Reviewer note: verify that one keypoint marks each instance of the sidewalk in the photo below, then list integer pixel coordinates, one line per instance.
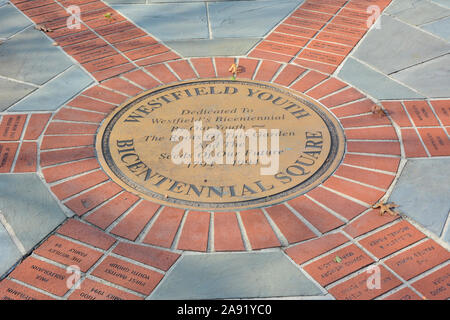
(387, 84)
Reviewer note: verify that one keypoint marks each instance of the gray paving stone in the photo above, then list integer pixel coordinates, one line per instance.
(398, 45)
(417, 12)
(56, 92)
(444, 3)
(214, 47)
(28, 207)
(375, 83)
(234, 19)
(125, 1)
(169, 21)
(441, 28)
(30, 56)
(9, 252)
(446, 233)
(11, 92)
(234, 275)
(11, 21)
(431, 78)
(423, 192)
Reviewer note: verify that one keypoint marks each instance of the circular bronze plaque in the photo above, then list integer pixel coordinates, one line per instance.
(135, 144)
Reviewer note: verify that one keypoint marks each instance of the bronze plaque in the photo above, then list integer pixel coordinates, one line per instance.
(135, 144)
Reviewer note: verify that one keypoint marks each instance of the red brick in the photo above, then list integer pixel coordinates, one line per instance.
(323, 57)
(357, 288)
(418, 259)
(315, 214)
(375, 147)
(290, 226)
(259, 231)
(95, 54)
(194, 235)
(403, 294)
(305, 14)
(204, 67)
(345, 96)
(141, 78)
(380, 180)
(76, 185)
(338, 38)
(10, 290)
(329, 47)
(163, 231)
(26, 161)
(162, 73)
(363, 120)
(161, 259)
(373, 133)
(148, 51)
(329, 86)
(167, 56)
(93, 290)
(355, 108)
(85, 46)
(327, 270)
(317, 6)
(391, 239)
(11, 127)
(125, 35)
(98, 92)
(397, 113)
(304, 23)
(435, 286)
(87, 103)
(346, 208)
(64, 128)
(112, 71)
(269, 56)
(322, 67)
(89, 200)
(436, 141)
(354, 190)
(51, 16)
(104, 63)
(227, 235)
(69, 114)
(128, 275)
(287, 39)
(289, 74)
(344, 30)
(278, 48)
(442, 109)
(296, 31)
(412, 144)
(373, 162)
(135, 43)
(57, 142)
(306, 251)
(68, 253)
(26, 5)
(99, 20)
(183, 69)
(222, 66)
(343, 20)
(122, 86)
(308, 81)
(367, 222)
(267, 70)
(108, 213)
(56, 173)
(421, 113)
(247, 68)
(60, 156)
(76, 38)
(36, 125)
(42, 275)
(136, 220)
(83, 232)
